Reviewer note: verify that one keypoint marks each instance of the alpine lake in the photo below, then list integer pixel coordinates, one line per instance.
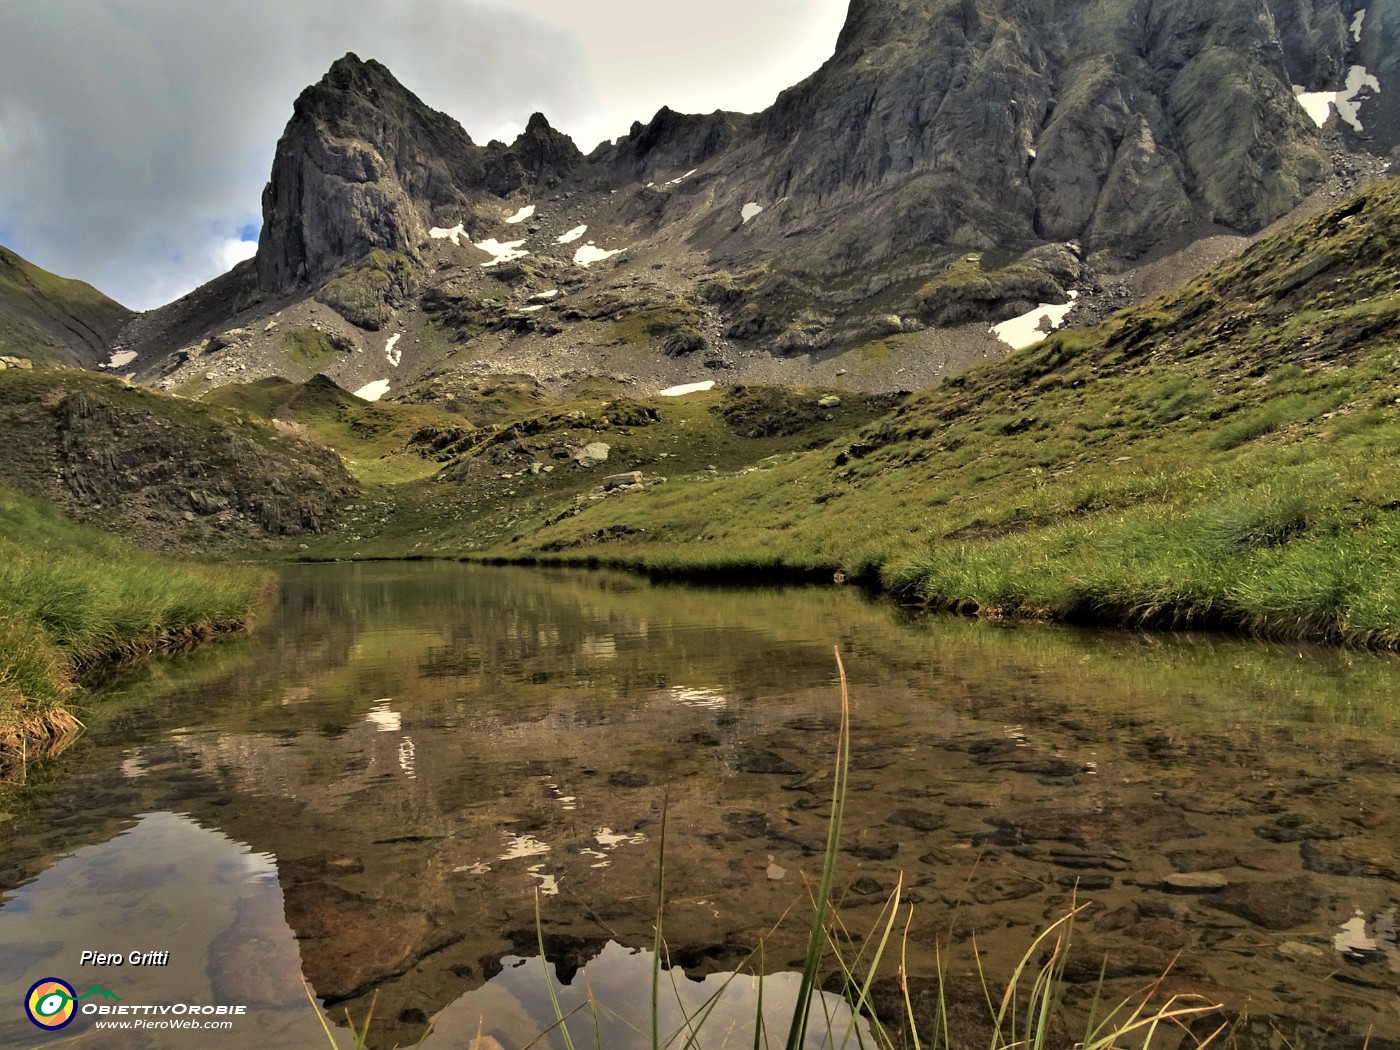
(410, 775)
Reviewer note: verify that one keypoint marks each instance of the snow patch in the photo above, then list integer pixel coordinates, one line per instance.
(1027, 330)
(1348, 105)
(751, 209)
(1356, 24)
(507, 252)
(1318, 104)
(688, 388)
(549, 885)
(120, 359)
(609, 839)
(591, 253)
(681, 178)
(546, 295)
(572, 235)
(531, 309)
(522, 846)
(523, 214)
(393, 356)
(455, 234)
(373, 391)
(1031, 151)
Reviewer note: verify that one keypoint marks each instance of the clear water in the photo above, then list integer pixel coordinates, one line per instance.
(373, 790)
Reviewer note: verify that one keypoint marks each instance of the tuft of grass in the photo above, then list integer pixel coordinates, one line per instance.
(72, 598)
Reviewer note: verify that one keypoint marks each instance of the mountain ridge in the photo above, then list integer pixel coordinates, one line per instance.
(955, 162)
(49, 319)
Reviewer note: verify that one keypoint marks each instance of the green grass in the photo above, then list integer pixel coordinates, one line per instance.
(1204, 460)
(306, 346)
(72, 597)
(40, 313)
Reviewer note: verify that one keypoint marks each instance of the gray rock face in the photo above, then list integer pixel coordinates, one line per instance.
(1116, 123)
(953, 161)
(364, 164)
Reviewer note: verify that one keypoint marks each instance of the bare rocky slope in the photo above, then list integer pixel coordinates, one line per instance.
(955, 163)
(161, 471)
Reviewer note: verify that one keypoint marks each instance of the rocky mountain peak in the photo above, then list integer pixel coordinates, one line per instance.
(996, 124)
(363, 164)
(544, 155)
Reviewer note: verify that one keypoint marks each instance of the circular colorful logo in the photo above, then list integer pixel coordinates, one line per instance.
(49, 1003)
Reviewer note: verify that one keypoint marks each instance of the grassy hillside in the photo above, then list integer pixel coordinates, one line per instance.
(72, 597)
(167, 472)
(52, 320)
(1222, 456)
(446, 482)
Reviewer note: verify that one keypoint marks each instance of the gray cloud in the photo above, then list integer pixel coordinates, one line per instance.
(136, 135)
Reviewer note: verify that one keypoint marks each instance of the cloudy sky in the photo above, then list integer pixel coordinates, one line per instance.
(136, 135)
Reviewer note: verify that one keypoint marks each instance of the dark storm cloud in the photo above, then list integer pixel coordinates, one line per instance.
(136, 135)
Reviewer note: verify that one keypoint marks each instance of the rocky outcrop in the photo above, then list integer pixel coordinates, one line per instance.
(981, 124)
(157, 468)
(364, 164)
(937, 131)
(540, 157)
(672, 142)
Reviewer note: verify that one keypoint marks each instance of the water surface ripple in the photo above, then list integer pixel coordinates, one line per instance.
(371, 790)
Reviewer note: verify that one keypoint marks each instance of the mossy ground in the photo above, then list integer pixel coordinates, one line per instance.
(38, 308)
(487, 492)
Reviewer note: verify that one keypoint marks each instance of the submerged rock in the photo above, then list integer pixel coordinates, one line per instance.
(1195, 882)
(1280, 905)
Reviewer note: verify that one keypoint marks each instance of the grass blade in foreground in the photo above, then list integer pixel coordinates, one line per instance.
(816, 941)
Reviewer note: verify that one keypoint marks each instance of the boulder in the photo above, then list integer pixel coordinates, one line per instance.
(592, 454)
(618, 481)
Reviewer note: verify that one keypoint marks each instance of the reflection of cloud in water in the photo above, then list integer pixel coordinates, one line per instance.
(514, 1007)
(384, 719)
(710, 698)
(522, 846)
(165, 884)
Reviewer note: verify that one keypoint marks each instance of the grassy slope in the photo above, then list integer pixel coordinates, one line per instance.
(53, 320)
(71, 597)
(1222, 456)
(487, 494)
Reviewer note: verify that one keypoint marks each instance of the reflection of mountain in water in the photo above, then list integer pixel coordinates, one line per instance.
(433, 754)
(513, 1007)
